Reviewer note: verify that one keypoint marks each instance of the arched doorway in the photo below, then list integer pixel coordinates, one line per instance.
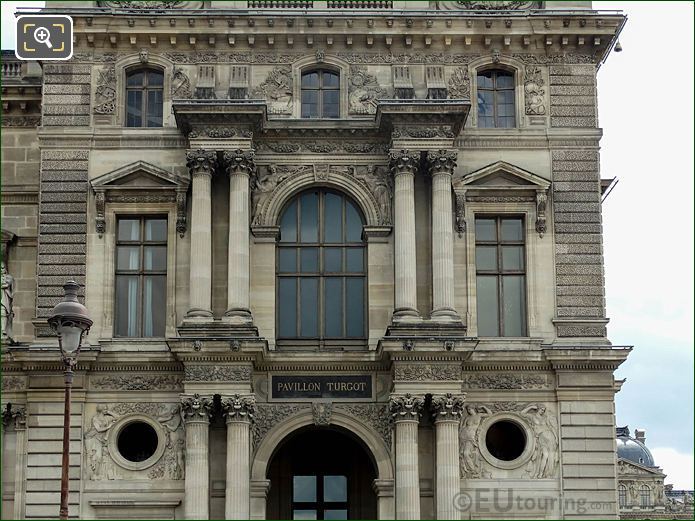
(321, 473)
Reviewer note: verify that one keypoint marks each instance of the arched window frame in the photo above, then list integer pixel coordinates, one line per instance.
(622, 496)
(309, 63)
(146, 87)
(322, 72)
(506, 64)
(645, 498)
(322, 341)
(132, 62)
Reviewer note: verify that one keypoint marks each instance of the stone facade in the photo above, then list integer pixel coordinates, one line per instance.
(221, 391)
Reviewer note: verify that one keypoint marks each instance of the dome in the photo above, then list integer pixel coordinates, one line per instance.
(631, 449)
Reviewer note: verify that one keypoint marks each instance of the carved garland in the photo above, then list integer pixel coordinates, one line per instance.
(207, 373)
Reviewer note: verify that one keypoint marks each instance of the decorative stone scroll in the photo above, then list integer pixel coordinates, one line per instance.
(406, 407)
(363, 91)
(533, 91)
(276, 89)
(105, 94)
(239, 407)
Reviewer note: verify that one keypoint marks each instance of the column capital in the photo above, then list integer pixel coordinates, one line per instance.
(239, 407)
(239, 161)
(15, 416)
(201, 162)
(406, 407)
(404, 161)
(447, 406)
(196, 408)
(441, 161)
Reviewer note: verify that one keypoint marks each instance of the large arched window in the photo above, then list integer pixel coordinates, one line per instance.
(496, 107)
(321, 270)
(144, 98)
(622, 496)
(645, 496)
(320, 94)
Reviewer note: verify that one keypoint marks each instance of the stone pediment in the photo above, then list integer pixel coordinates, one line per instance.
(630, 468)
(140, 182)
(501, 175)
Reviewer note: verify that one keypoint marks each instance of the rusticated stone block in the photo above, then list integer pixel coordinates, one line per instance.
(561, 197)
(575, 176)
(66, 99)
(595, 301)
(63, 187)
(71, 155)
(571, 90)
(578, 207)
(579, 248)
(74, 121)
(561, 228)
(64, 218)
(53, 280)
(571, 69)
(65, 164)
(572, 121)
(573, 110)
(63, 239)
(580, 280)
(64, 197)
(572, 80)
(66, 110)
(578, 186)
(62, 248)
(575, 311)
(579, 291)
(67, 89)
(64, 207)
(581, 331)
(581, 165)
(61, 259)
(66, 68)
(60, 176)
(572, 269)
(579, 259)
(575, 155)
(579, 217)
(67, 78)
(56, 269)
(63, 228)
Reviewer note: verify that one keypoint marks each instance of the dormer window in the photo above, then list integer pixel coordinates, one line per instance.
(144, 94)
(321, 94)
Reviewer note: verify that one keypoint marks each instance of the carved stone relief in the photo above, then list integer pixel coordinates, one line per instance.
(138, 382)
(266, 180)
(14, 416)
(180, 84)
(534, 91)
(213, 373)
(422, 132)
(363, 91)
(377, 179)
(100, 463)
(268, 415)
(505, 381)
(105, 95)
(541, 204)
(13, 383)
(493, 5)
(276, 89)
(323, 147)
(321, 413)
(543, 462)
(375, 416)
(6, 303)
(421, 373)
(150, 4)
(460, 84)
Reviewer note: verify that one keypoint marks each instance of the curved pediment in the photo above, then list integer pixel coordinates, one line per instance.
(501, 175)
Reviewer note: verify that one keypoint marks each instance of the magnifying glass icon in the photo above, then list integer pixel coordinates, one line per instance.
(43, 35)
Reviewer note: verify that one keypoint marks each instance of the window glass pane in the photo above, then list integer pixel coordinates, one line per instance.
(126, 305)
(128, 258)
(484, 80)
(353, 223)
(134, 113)
(485, 230)
(512, 257)
(512, 230)
(309, 217)
(354, 302)
(135, 79)
(309, 306)
(506, 122)
(156, 258)
(331, 110)
(309, 260)
(304, 514)
(128, 230)
(335, 514)
(310, 79)
(310, 104)
(287, 260)
(505, 80)
(488, 320)
(288, 224)
(485, 258)
(333, 307)
(304, 489)
(513, 306)
(333, 218)
(154, 312)
(287, 307)
(332, 261)
(487, 122)
(354, 260)
(156, 230)
(335, 489)
(155, 79)
(331, 97)
(154, 108)
(331, 79)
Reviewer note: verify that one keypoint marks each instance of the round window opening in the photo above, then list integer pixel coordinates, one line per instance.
(505, 440)
(137, 441)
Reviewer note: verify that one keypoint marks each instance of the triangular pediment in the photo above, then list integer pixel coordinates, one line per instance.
(139, 174)
(627, 467)
(501, 175)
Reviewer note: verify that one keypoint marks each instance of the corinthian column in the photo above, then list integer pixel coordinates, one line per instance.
(446, 410)
(239, 412)
(405, 411)
(441, 166)
(196, 415)
(202, 165)
(239, 166)
(404, 164)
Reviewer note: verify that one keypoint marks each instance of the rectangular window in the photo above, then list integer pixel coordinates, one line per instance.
(500, 266)
(141, 269)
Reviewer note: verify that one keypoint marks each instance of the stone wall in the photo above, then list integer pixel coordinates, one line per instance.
(573, 96)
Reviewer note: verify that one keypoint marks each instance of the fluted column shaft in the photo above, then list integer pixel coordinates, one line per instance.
(240, 166)
(441, 166)
(446, 410)
(202, 164)
(403, 167)
(196, 413)
(405, 411)
(239, 412)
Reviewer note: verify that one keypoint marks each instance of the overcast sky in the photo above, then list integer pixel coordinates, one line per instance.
(647, 219)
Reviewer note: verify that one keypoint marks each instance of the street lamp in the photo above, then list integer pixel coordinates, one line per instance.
(70, 320)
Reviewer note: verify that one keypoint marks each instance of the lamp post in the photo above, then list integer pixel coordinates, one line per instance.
(70, 320)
